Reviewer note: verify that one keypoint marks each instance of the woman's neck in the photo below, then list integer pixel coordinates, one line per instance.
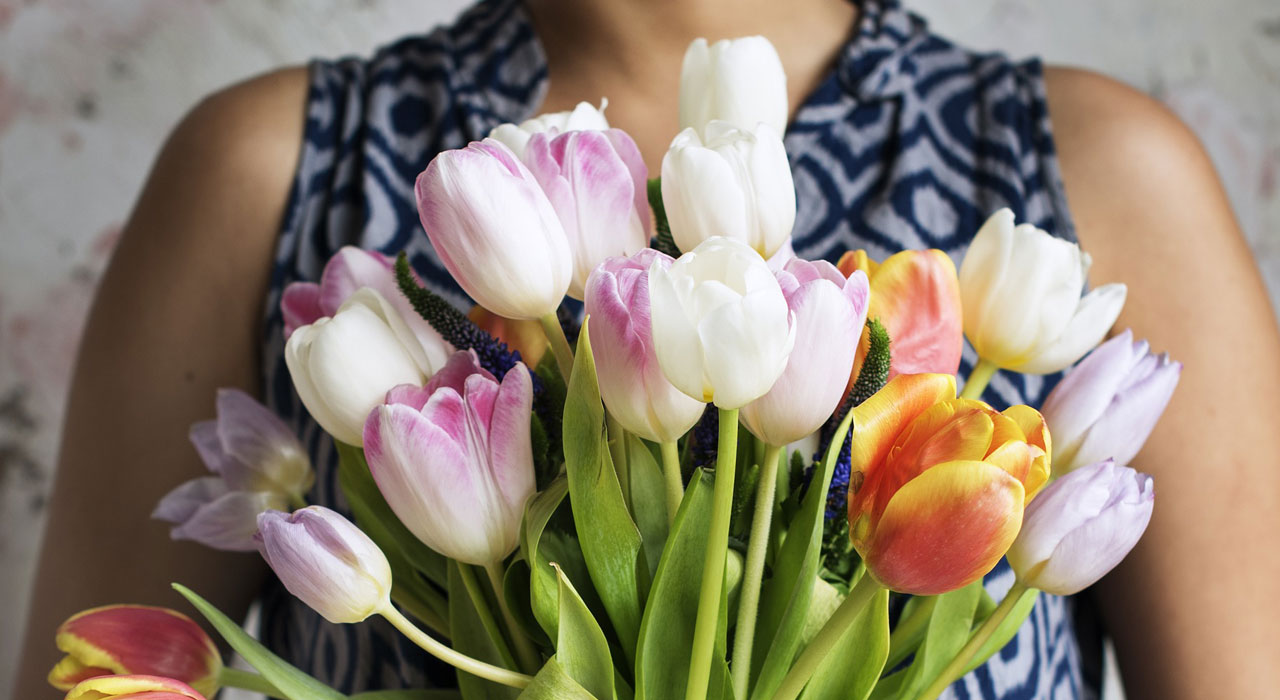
(630, 51)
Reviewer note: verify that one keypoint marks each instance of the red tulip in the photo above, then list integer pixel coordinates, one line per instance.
(133, 687)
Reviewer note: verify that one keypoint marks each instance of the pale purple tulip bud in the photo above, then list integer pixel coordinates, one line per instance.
(1107, 406)
(495, 231)
(632, 384)
(454, 459)
(259, 464)
(327, 562)
(351, 268)
(829, 313)
(596, 181)
(1081, 526)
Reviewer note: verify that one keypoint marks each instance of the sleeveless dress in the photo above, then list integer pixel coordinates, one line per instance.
(909, 142)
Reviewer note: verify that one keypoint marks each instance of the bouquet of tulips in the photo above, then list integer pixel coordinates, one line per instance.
(717, 485)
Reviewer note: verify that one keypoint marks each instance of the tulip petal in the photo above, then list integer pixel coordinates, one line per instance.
(255, 437)
(300, 306)
(70, 671)
(1128, 420)
(125, 639)
(1085, 392)
(229, 522)
(917, 298)
(1036, 433)
(878, 420)
(675, 337)
(1095, 315)
(133, 687)
(692, 177)
(944, 529)
(510, 449)
(181, 503)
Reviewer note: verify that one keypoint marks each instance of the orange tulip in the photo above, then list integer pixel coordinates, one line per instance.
(938, 484)
(916, 295)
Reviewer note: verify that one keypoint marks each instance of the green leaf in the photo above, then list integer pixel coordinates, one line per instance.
(786, 595)
(553, 683)
(663, 242)
(581, 647)
(516, 582)
(948, 631)
(469, 637)
(544, 590)
(408, 695)
(610, 540)
(851, 669)
(1006, 629)
(909, 632)
(648, 500)
(666, 633)
(295, 684)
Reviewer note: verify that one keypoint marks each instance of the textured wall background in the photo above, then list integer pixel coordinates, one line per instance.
(89, 90)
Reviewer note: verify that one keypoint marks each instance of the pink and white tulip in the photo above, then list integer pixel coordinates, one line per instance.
(495, 231)
(596, 182)
(259, 464)
(584, 117)
(1081, 526)
(121, 640)
(454, 459)
(304, 303)
(343, 366)
(1107, 406)
(634, 389)
(133, 687)
(326, 562)
(829, 313)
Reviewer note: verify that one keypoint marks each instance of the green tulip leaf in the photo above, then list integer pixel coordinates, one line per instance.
(553, 683)
(469, 637)
(909, 632)
(1006, 630)
(581, 647)
(516, 582)
(292, 682)
(417, 694)
(851, 669)
(543, 587)
(648, 500)
(610, 540)
(947, 632)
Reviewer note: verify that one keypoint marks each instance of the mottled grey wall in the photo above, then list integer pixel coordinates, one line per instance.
(88, 91)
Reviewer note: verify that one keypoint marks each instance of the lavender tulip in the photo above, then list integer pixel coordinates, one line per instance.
(596, 182)
(1107, 406)
(327, 562)
(495, 231)
(259, 464)
(350, 269)
(454, 459)
(829, 312)
(634, 389)
(1081, 526)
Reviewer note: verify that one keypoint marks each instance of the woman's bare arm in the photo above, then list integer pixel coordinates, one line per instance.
(1193, 609)
(178, 315)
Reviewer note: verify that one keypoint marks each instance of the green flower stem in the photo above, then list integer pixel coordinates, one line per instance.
(954, 669)
(673, 478)
(704, 629)
(978, 379)
(827, 638)
(452, 657)
(559, 344)
(529, 658)
(487, 620)
(248, 680)
(749, 598)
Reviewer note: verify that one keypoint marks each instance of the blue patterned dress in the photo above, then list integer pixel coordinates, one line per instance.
(909, 142)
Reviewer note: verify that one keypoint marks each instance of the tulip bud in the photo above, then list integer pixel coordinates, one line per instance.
(350, 269)
(584, 117)
(454, 459)
(1021, 289)
(1081, 527)
(259, 465)
(596, 182)
(723, 331)
(632, 384)
(343, 366)
(495, 231)
(135, 639)
(133, 687)
(1109, 403)
(938, 484)
(326, 562)
(830, 312)
(729, 182)
(740, 81)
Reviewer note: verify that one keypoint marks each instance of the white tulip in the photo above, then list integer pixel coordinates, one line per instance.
(729, 182)
(1020, 289)
(739, 81)
(721, 326)
(584, 117)
(342, 367)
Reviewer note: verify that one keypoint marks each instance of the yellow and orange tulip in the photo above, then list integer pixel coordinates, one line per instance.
(135, 639)
(916, 295)
(938, 484)
(133, 688)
